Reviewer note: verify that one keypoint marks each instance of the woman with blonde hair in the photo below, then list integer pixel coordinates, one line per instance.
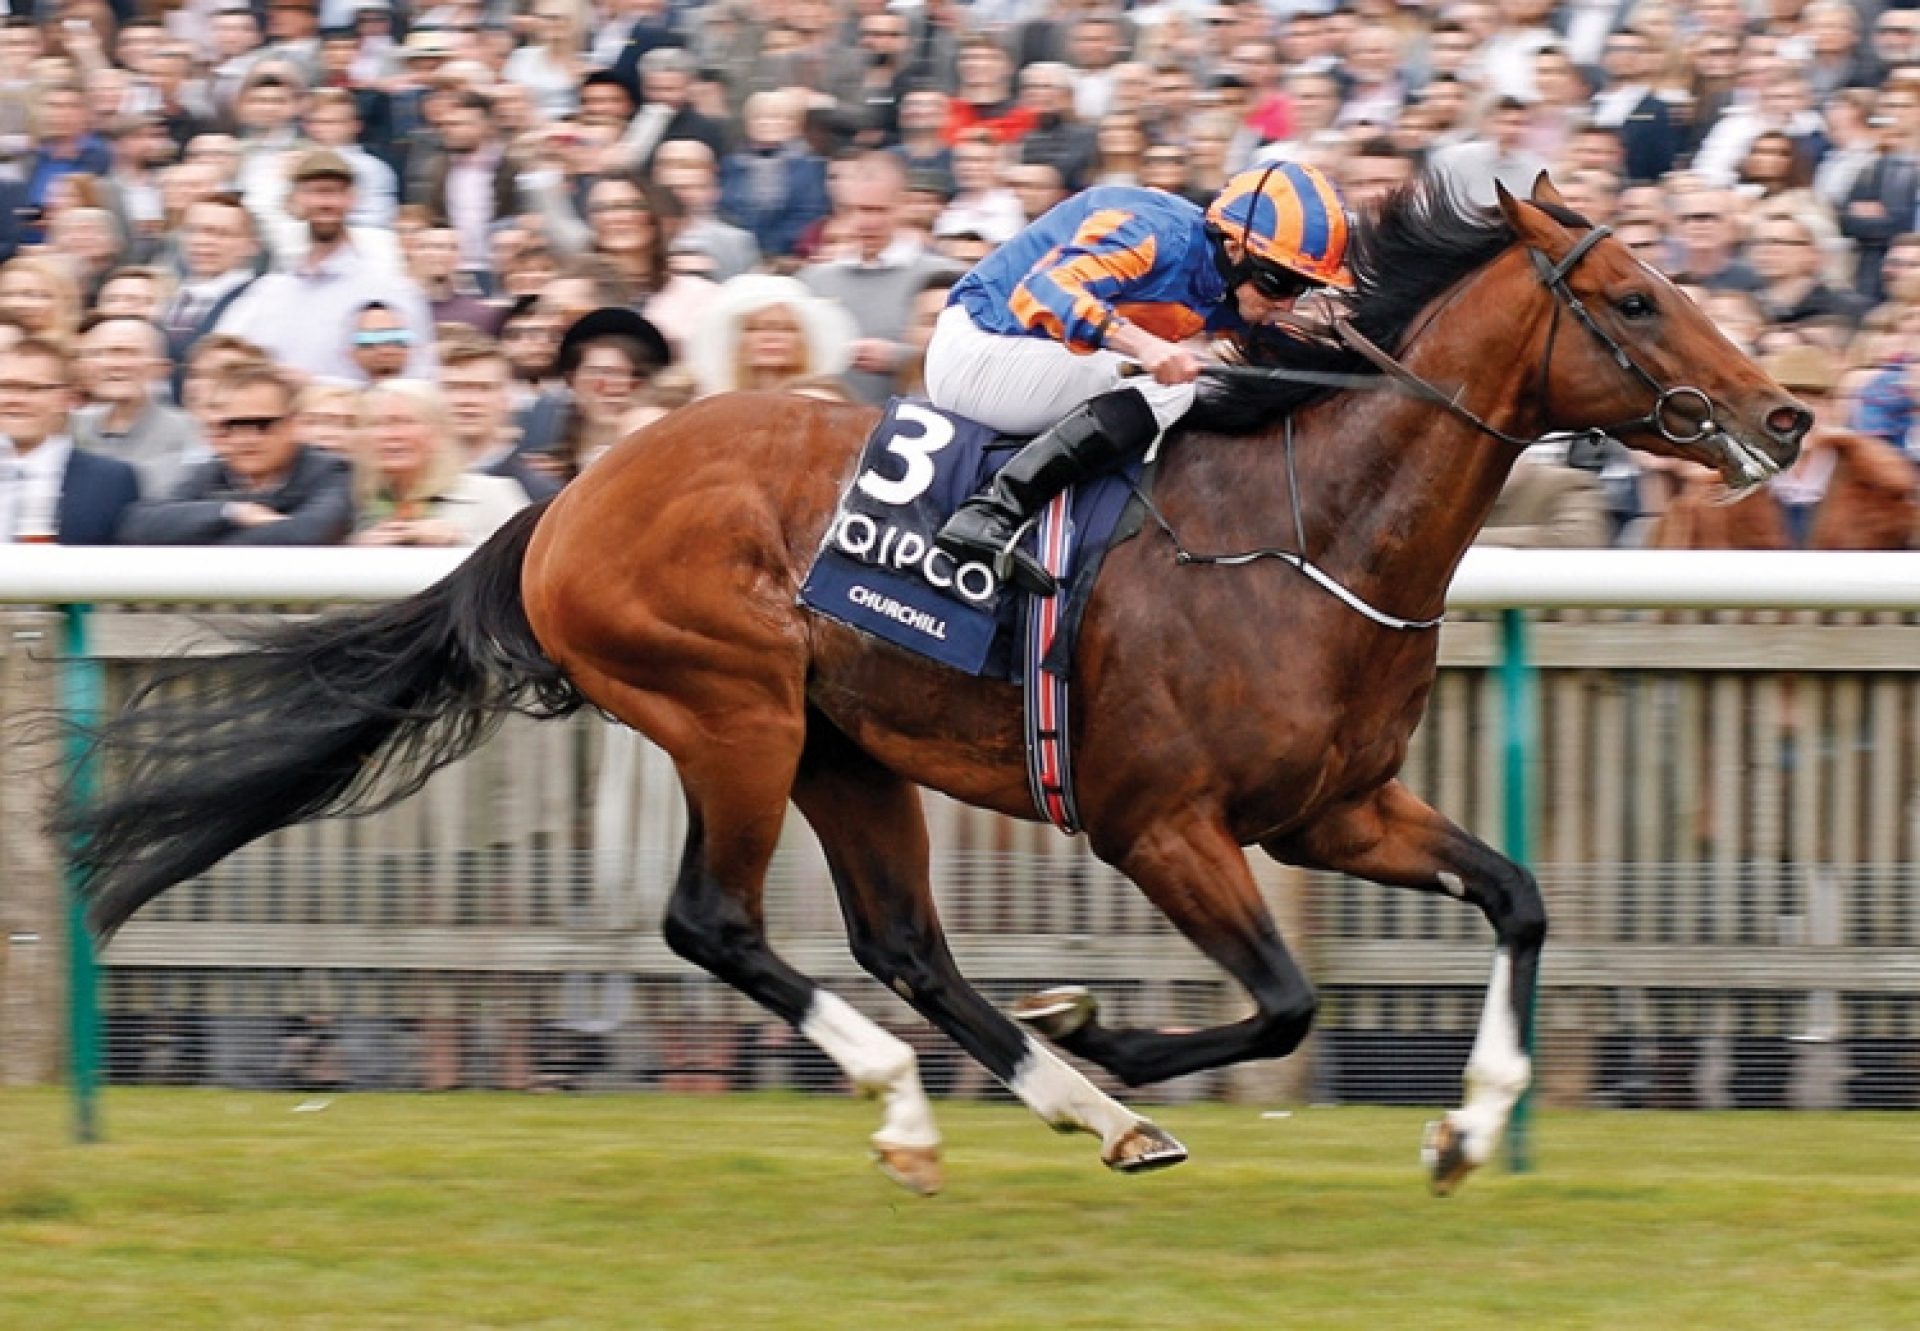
(765, 332)
(553, 62)
(410, 485)
(42, 296)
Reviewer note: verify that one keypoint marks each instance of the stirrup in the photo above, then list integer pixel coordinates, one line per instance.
(1016, 568)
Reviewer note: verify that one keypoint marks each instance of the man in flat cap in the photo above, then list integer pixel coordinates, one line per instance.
(303, 314)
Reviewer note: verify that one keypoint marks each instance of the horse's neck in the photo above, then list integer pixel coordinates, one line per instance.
(1395, 489)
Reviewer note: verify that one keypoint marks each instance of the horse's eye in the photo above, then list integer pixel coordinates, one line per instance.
(1635, 306)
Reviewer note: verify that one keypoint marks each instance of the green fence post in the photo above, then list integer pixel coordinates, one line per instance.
(80, 694)
(1517, 697)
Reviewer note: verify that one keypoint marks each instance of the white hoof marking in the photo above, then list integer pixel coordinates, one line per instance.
(877, 1063)
(1068, 1101)
(1498, 1070)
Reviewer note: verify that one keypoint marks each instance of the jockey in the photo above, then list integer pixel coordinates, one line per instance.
(1040, 335)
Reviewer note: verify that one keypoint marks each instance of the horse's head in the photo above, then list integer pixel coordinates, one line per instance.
(1628, 354)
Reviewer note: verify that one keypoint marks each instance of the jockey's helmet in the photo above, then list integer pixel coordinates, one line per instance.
(1285, 215)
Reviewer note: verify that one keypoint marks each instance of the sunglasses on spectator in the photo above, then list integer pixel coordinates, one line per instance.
(247, 424)
(383, 337)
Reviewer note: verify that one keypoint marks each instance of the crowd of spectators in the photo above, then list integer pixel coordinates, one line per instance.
(318, 271)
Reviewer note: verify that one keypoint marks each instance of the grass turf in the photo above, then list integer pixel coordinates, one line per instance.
(227, 1210)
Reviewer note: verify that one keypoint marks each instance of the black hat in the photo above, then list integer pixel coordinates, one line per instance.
(611, 321)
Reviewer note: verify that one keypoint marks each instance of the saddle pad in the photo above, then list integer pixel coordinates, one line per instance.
(877, 569)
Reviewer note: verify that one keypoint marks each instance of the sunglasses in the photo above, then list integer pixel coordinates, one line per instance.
(1278, 283)
(247, 424)
(383, 337)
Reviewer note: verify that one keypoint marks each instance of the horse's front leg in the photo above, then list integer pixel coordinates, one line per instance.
(1190, 866)
(1393, 838)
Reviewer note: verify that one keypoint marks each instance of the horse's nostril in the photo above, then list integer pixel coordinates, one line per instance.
(1788, 424)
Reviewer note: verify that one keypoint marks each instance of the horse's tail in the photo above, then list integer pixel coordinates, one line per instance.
(342, 714)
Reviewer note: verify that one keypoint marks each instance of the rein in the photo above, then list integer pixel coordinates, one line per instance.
(1394, 376)
(1296, 559)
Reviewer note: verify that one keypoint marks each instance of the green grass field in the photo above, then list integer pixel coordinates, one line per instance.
(226, 1210)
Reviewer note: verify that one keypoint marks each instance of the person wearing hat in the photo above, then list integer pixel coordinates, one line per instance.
(1045, 334)
(607, 358)
(303, 315)
(764, 332)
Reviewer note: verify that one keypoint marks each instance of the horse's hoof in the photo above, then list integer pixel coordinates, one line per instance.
(1146, 1147)
(1443, 1151)
(915, 1168)
(1057, 1013)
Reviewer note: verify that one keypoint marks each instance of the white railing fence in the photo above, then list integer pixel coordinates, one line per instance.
(1718, 754)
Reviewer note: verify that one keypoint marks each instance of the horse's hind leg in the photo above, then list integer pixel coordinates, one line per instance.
(870, 824)
(737, 782)
(1393, 838)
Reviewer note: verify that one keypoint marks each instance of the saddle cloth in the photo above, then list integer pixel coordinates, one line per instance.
(877, 570)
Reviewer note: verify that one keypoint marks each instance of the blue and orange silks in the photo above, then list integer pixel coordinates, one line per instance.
(1108, 253)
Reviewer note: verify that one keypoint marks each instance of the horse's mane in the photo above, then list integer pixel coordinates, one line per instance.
(1416, 244)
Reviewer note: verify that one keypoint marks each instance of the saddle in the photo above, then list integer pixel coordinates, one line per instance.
(877, 570)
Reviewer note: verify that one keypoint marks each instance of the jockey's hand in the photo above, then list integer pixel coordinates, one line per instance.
(1170, 364)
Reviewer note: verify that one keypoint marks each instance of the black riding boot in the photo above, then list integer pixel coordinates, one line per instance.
(1094, 436)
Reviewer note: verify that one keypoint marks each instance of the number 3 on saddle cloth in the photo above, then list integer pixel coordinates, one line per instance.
(877, 571)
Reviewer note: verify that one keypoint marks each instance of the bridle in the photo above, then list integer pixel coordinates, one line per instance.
(1660, 417)
(1672, 425)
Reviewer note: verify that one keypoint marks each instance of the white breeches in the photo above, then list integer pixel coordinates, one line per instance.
(1023, 385)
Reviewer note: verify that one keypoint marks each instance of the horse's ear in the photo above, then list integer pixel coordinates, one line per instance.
(1508, 205)
(1544, 192)
(1531, 225)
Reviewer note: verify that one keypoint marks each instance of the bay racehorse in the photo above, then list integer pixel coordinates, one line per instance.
(1223, 705)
